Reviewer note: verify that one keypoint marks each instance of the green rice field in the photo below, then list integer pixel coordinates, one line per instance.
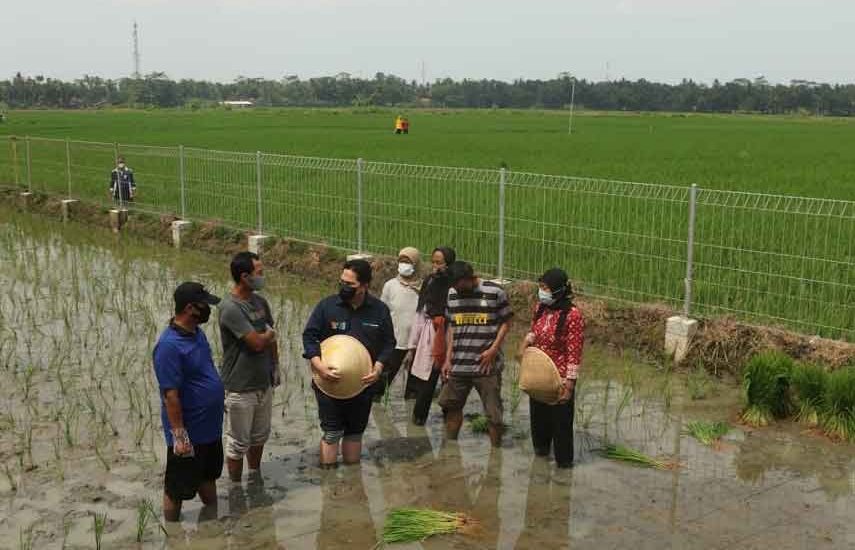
(760, 251)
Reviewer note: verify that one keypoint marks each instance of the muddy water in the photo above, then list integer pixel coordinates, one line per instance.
(81, 436)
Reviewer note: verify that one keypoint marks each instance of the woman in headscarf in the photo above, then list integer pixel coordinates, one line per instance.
(556, 329)
(427, 338)
(401, 295)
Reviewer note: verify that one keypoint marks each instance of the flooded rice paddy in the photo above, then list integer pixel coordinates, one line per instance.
(82, 450)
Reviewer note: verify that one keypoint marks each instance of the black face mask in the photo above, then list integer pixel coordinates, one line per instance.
(346, 292)
(204, 313)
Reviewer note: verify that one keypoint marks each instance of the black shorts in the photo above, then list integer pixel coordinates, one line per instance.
(184, 475)
(347, 415)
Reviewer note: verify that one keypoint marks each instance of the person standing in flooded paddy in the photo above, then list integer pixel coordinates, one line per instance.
(427, 345)
(557, 328)
(401, 295)
(356, 313)
(191, 403)
(250, 367)
(479, 318)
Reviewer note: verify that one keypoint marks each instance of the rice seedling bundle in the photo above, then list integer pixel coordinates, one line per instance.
(837, 414)
(765, 381)
(708, 433)
(628, 454)
(809, 383)
(417, 524)
(479, 424)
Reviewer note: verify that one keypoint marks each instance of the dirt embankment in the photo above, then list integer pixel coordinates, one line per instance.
(722, 345)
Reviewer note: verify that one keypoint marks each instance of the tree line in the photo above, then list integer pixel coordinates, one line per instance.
(157, 90)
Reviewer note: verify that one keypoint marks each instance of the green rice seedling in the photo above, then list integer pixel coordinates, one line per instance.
(698, 383)
(99, 524)
(808, 383)
(708, 433)
(25, 538)
(479, 424)
(628, 454)
(417, 524)
(765, 382)
(145, 514)
(10, 477)
(837, 414)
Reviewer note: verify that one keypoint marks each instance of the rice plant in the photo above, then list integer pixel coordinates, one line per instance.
(837, 415)
(417, 524)
(145, 514)
(698, 383)
(479, 424)
(708, 433)
(765, 381)
(628, 454)
(99, 524)
(808, 383)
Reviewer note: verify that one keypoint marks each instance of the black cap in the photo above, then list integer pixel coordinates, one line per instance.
(193, 293)
(460, 270)
(556, 279)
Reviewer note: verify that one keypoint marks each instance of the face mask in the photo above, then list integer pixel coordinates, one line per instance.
(545, 297)
(346, 292)
(204, 313)
(255, 282)
(406, 270)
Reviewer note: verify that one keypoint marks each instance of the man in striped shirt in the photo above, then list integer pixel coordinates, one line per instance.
(479, 317)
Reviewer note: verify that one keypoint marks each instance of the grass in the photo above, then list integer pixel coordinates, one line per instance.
(698, 383)
(145, 514)
(99, 524)
(809, 383)
(837, 415)
(628, 454)
(417, 524)
(479, 424)
(621, 244)
(708, 433)
(765, 381)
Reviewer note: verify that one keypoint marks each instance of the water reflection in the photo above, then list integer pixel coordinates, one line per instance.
(547, 508)
(345, 515)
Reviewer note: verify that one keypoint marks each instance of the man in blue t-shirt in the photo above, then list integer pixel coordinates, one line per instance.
(192, 397)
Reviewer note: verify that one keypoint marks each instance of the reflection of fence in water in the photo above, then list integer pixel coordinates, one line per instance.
(780, 260)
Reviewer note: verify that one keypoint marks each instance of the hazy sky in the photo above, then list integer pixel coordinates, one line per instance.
(663, 40)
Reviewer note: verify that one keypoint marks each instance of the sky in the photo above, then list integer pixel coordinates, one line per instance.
(660, 40)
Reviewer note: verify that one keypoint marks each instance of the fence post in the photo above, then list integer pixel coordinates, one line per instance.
(501, 263)
(29, 167)
(182, 182)
(68, 165)
(690, 250)
(359, 215)
(118, 179)
(258, 189)
(15, 160)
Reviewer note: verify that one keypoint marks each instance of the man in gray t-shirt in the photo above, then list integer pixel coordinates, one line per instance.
(250, 367)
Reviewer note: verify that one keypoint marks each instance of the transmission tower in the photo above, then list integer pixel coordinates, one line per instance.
(136, 51)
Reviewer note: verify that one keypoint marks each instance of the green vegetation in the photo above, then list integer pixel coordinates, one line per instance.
(708, 433)
(765, 380)
(777, 387)
(479, 423)
(809, 384)
(628, 454)
(837, 415)
(417, 524)
(623, 242)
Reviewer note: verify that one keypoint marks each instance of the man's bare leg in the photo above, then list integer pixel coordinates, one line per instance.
(351, 451)
(171, 509)
(253, 457)
(453, 423)
(329, 453)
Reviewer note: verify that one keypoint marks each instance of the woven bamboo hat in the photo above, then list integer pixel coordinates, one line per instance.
(539, 377)
(349, 359)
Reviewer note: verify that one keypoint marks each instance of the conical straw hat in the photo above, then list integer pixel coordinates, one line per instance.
(539, 377)
(349, 359)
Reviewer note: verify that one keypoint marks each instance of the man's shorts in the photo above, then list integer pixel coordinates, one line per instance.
(248, 416)
(184, 474)
(456, 390)
(344, 415)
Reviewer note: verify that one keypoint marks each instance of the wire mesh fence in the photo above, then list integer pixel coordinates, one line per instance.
(787, 261)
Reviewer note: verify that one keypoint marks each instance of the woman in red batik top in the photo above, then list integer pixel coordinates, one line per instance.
(557, 329)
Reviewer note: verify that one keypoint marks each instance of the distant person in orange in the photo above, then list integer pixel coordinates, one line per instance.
(405, 125)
